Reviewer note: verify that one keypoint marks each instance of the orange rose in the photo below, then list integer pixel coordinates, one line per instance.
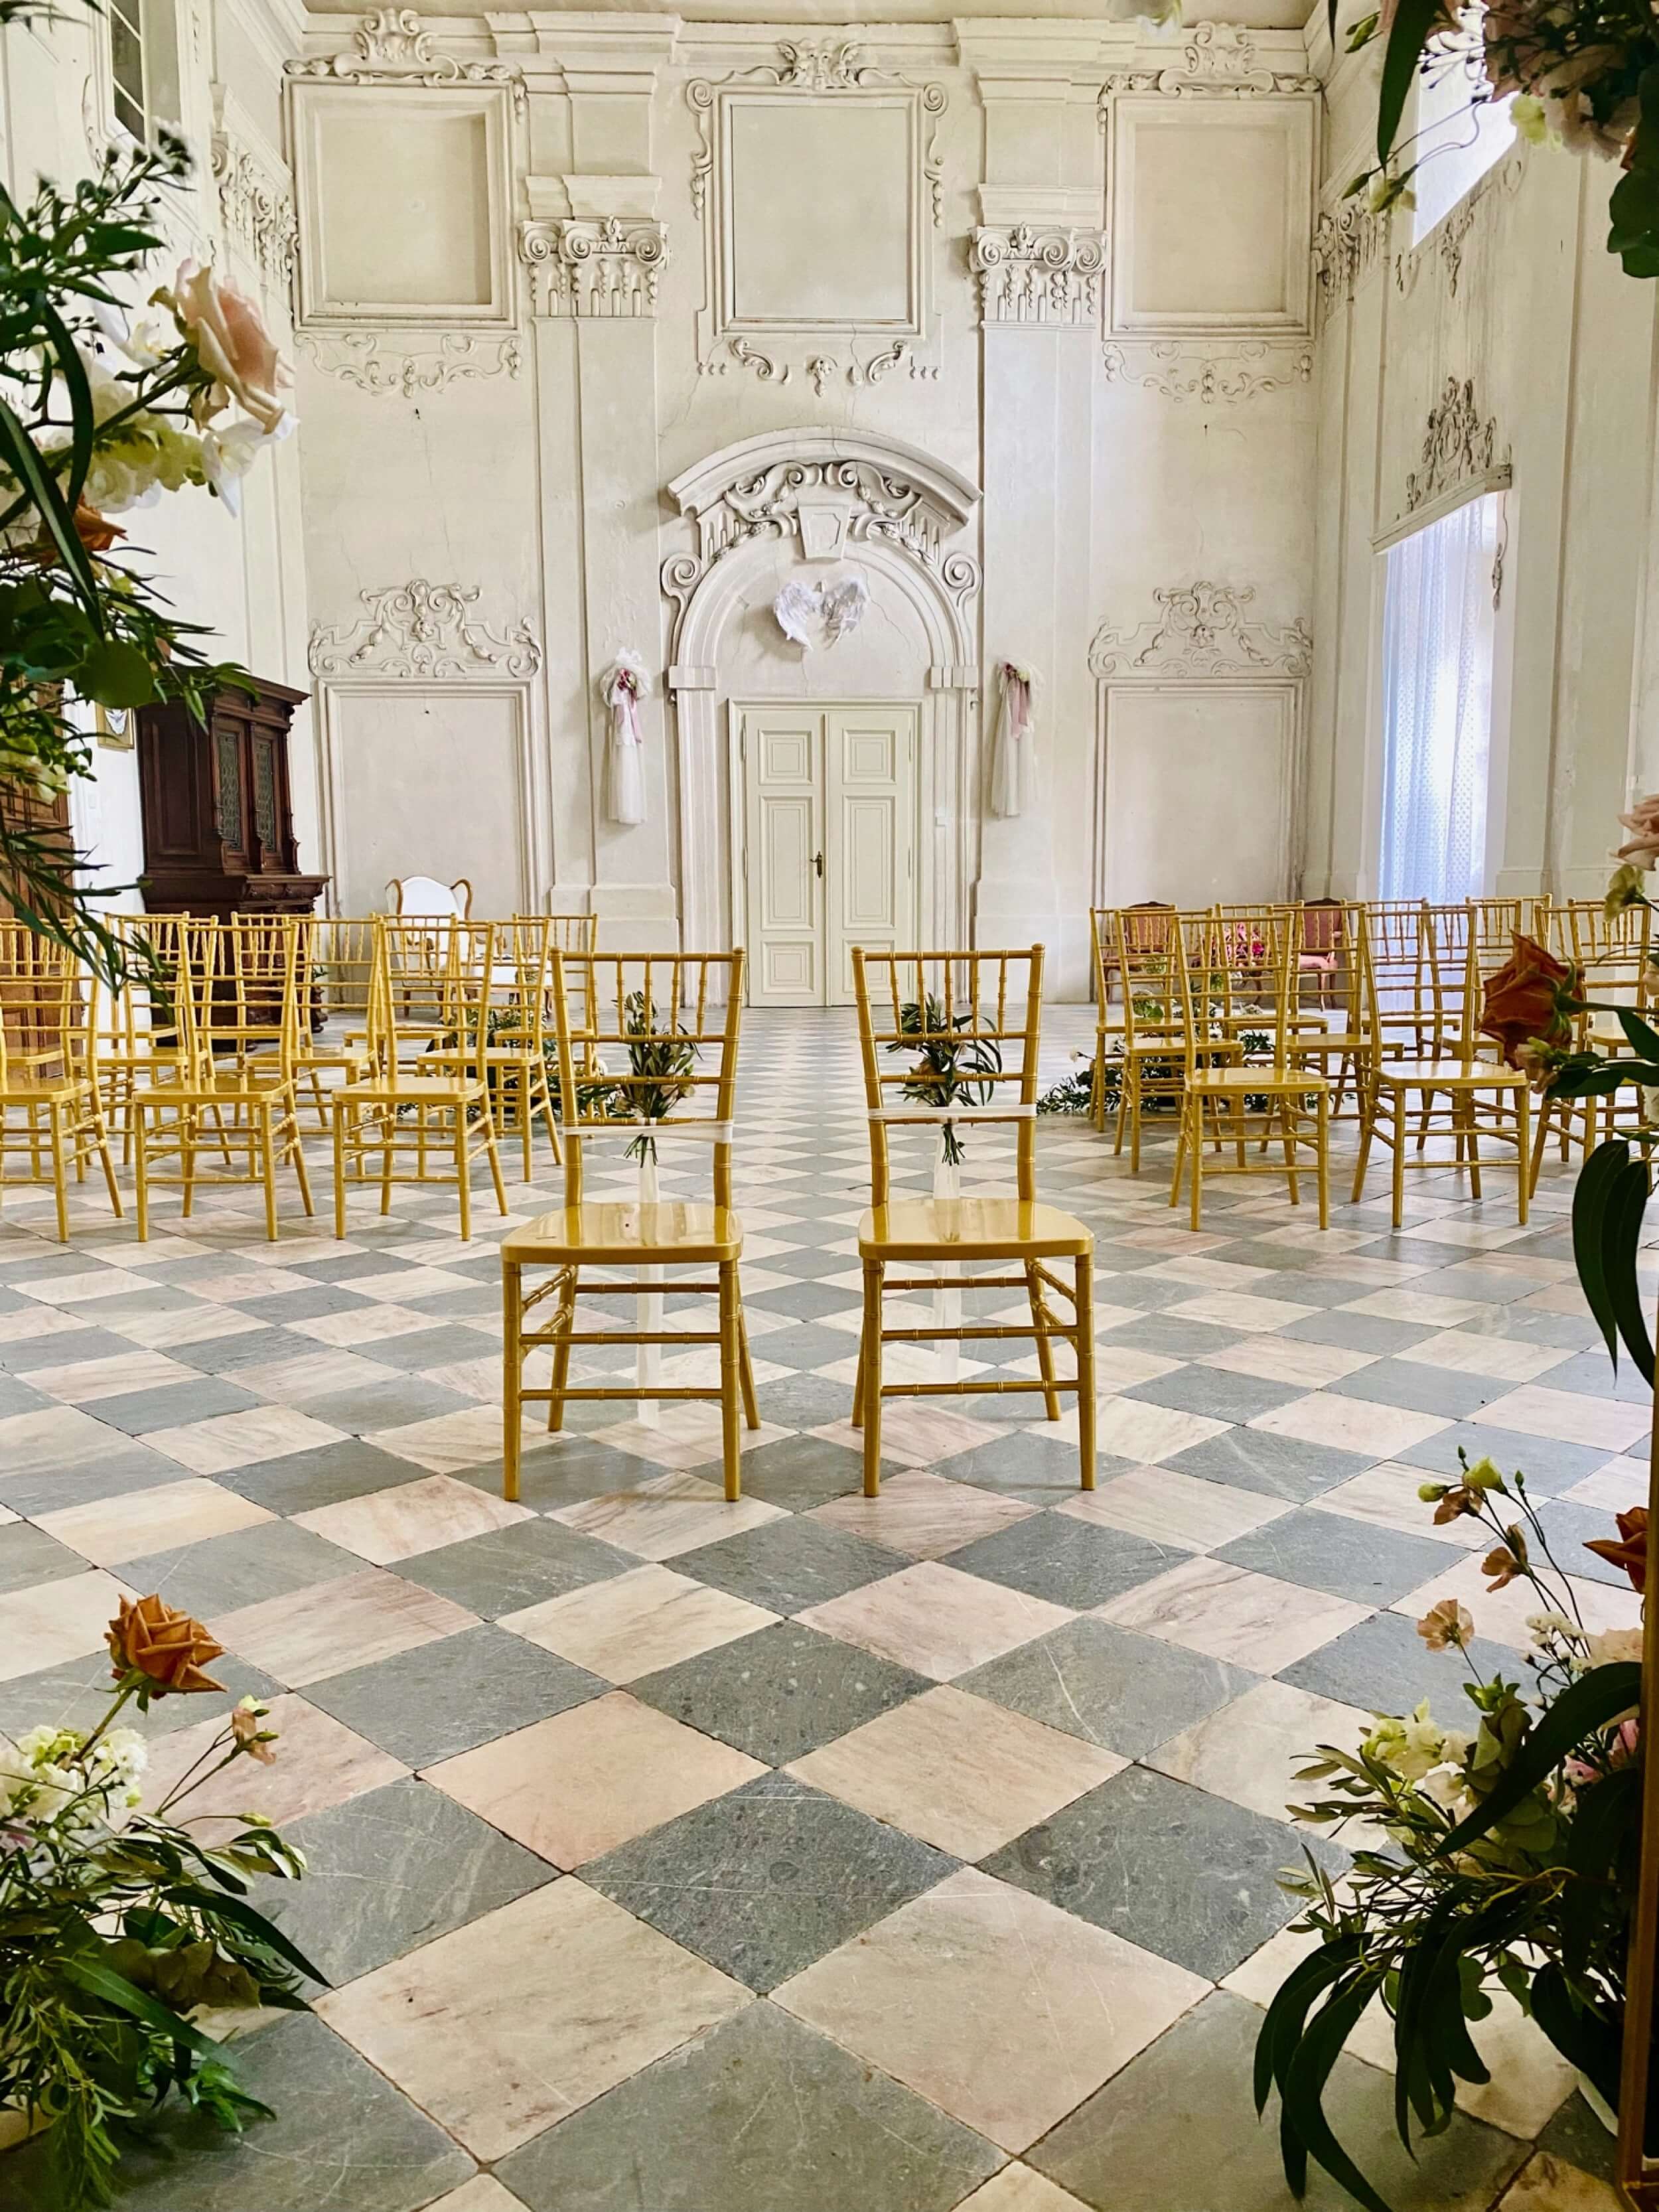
(167, 1647)
(1631, 1553)
(1522, 1002)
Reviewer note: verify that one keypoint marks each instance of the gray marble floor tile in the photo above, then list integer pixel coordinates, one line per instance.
(28, 1555)
(328, 1474)
(804, 1301)
(1592, 1373)
(765, 1879)
(77, 1695)
(1576, 2135)
(1022, 1463)
(1358, 1332)
(1169, 1867)
(454, 1694)
(1549, 1466)
(1167, 1334)
(781, 1693)
(65, 1347)
(568, 1469)
(1177, 2128)
(763, 2115)
(137, 1412)
(390, 1870)
(1214, 1392)
(800, 1472)
(17, 1397)
(227, 1572)
(289, 1306)
(389, 1404)
(1125, 1692)
(122, 1463)
(418, 1349)
(1420, 1388)
(335, 2117)
(1067, 1561)
(1277, 1466)
(802, 1400)
(1371, 1565)
(515, 1567)
(1382, 1665)
(253, 1348)
(1567, 1529)
(786, 1565)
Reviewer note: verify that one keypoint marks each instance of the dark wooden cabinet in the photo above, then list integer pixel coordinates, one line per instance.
(218, 828)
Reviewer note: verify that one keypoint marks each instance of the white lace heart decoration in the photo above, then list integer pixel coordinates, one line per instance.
(820, 614)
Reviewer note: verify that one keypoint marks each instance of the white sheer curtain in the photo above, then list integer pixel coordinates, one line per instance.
(1436, 706)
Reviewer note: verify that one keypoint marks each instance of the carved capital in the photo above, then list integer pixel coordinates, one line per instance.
(1347, 240)
(1038, 274)
(1200, 630)
(1218, 61)
(425, 631)
(607, 266)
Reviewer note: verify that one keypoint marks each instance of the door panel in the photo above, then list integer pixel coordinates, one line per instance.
(871, 809)
(782, 751)
(830, 810)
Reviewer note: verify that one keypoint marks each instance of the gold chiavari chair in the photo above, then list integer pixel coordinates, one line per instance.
(422, 1108)
(568, 933)
(242, 1105)
(337, 953)
(137, 1038)
(1146, 926)
(636, 1064)
(52, 1116)
(990, 1004)
(1483, 1099)
(1611, 953)
(1153, 1065)
(1344, 1036)
(1402, 1010)
(1272, 1100)
(515, 1004)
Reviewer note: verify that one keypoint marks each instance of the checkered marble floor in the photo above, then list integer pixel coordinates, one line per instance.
(811, 1853)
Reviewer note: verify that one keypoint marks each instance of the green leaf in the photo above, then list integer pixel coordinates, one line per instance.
(1621, 1233)
(1407, 36)
(1304, 2089)
(73, 370)
(116, 674)
(1642, 1038)
(1281, 2035)
(22, 459)
(1582, 1707)
(1606, 1821)
(1584, 2038)
(251, 1922)
(1590, 1201)
(98, 1980)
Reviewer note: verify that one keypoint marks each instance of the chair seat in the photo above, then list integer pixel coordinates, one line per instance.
(970, 1229)
(43, 1090)
(1451, 1075)
(1224, 1082)
(608, 1233)
(412, 1090)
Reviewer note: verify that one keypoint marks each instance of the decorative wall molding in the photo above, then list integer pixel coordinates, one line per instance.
(1347, 241)
(390, 46)
(1445, 242)
(1200, 630)
(360, 357)
(256, 207)
(424, 631)
(1049, 274)
(1180, 373)
(1460, 446)
(1219, 61)
(769, 367)
(606, 267)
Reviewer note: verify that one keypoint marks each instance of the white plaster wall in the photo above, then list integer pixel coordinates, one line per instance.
(242, 578)
(1514, 290)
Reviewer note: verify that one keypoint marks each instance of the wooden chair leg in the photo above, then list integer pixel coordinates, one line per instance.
(464, 1170)
(1288, 1116)
(746, 1370)
(512, 1378)
(731, 1366)
(1397, 1109)
(1323, 1162)
(1196, 1148)
(870, 1362)
(1542, 1139)
(1474, 1144)
(495, 1158)
(1366, 1103)
(565, 1322)
(101, 1138)
(1084, 1313)
(59, 1184)
(1522, 1150)
(1181, 1148)
(341, 1110)
(138, 1124)
(1045, 1350)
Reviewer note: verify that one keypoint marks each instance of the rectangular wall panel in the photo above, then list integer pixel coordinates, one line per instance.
(1198, 793)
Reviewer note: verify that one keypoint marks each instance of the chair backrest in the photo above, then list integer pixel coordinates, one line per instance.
(952, 1022)
(573, 932)
(424, 977)
(338, 952)
(647, 1044)
(1324, 925)
(1610, 950)
(1240, 980)
(1152, 981)
(235, 992)
(417, 896)
(48, 1009)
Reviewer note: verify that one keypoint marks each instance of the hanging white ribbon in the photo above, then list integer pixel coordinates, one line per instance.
(1014, 756)
(623, 686)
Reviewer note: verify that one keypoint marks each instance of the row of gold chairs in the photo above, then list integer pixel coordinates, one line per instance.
(420, 1045)
(965, 1029)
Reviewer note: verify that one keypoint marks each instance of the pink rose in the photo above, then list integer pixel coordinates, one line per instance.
(1643, 821)
(232, 344)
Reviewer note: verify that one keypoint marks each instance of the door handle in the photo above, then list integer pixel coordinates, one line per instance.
(818, 862)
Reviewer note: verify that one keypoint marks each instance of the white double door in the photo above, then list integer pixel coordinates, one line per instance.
(828, 837)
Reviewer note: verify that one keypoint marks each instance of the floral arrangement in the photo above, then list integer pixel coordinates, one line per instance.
(118, 1928)
(660, 1064)
(1584, 73)
(951, 1069)
(100, 415)
(1510, 1858)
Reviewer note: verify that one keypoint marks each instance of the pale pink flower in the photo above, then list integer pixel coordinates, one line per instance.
(1643, 821)
(232, 343)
